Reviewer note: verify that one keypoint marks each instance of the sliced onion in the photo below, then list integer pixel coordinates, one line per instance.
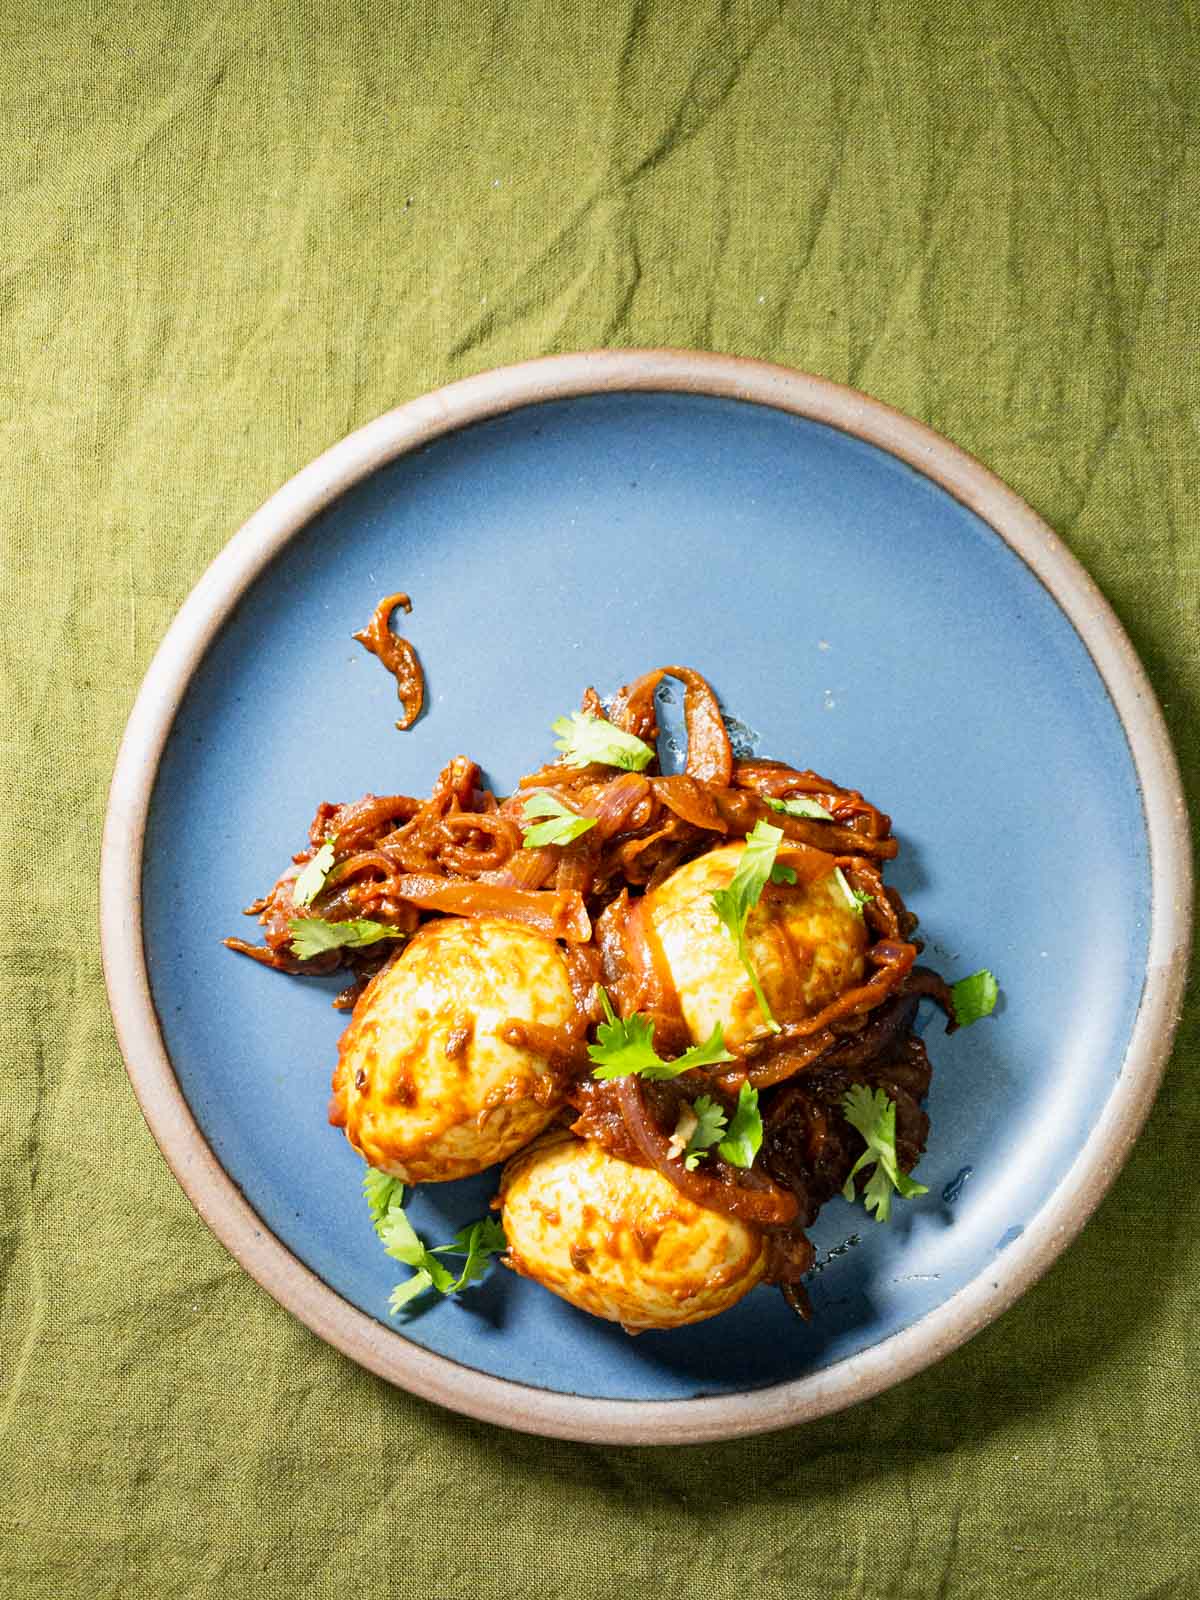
(558, 916)
(709, 754)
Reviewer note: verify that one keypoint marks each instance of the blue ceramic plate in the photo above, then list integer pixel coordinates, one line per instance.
(855, 616)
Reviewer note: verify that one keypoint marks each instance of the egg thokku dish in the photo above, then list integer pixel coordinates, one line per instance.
(678, 1006)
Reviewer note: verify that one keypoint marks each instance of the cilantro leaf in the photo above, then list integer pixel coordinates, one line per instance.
(585, 739)
(974, 997)
(312, 936)
(873, 1115)
(409, 1290)
(486, 1234)
(382, 1191)
(709, 1054)
(741, 1144)
(623, 1045)
(801, 807)
(312, 879)
(563, 826)
(855, 898)
(478, 1242)
(626, 1044)
(710, 1123)
(734, 904)
(402, 1243)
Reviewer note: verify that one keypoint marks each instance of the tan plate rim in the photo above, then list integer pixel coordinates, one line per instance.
(214, 1194)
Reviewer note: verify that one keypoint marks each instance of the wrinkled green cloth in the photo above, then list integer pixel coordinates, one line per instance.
(234, 232)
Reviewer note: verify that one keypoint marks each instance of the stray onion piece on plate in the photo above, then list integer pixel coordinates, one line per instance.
(679, 1007)
(397, 655)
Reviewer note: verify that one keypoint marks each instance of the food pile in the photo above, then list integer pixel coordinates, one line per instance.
(677, 1007)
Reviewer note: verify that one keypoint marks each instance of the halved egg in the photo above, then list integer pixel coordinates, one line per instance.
(806, 944)
(620, 1241)
(425, 1085)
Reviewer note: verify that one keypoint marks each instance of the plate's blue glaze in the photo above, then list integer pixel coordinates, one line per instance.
(849, 611)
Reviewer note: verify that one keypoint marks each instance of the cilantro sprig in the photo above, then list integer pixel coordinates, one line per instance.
(312, 936)
(478, 1242)
(734, 904)
(802, 807)
(625, 1045)
(311, 880)
(562, 824)
(584, 740)
(974, 997)
(873, 1115)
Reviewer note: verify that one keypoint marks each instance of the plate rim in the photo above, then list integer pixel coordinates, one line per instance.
(213, 1192)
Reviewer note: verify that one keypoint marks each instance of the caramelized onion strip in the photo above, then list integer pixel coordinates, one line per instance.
(632, 707)
(614, 804)
(397, 655)
(356, 865)
(460, 855)
(778, 781)
(559, 916)
(894, 962)
(709, 755)
(362, 822)
(278, 961)
(525, 869)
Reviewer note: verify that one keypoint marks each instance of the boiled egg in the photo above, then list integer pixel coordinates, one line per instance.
(621, 1241)
(426, 1087)
(806, 944)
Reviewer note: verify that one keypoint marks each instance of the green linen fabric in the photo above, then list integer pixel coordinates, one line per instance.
(231, 233)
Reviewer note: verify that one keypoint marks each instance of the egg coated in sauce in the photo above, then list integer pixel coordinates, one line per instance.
(620, 1241)
(425, 1086)
(806, 944)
